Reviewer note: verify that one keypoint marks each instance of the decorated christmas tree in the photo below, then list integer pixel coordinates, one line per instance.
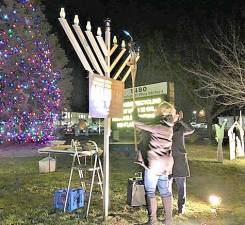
(30, 77)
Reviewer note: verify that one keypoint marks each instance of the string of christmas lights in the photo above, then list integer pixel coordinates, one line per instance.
(29, 95)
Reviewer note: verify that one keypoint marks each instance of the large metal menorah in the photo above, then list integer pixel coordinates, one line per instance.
(95, 56)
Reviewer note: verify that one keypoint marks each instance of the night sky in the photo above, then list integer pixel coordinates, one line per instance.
(182, 22)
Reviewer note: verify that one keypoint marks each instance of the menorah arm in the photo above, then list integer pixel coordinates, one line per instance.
(102, 45)
(129, 70)
(87, 49)
(117, 58)
(97, 50)
(75, 44)
(113, 49)
(122, 67)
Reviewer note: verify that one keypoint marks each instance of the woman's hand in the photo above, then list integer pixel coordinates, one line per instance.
(181, 115)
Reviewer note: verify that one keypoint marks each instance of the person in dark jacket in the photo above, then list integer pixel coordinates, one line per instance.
(157, 160)
(180, 167)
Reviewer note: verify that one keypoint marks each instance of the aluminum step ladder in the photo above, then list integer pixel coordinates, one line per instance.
(95, 168)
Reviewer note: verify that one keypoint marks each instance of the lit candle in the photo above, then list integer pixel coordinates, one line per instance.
(76, 20)
(99, 32)
(62, 13)
(114, 40)
(123, 45)
(88, 26)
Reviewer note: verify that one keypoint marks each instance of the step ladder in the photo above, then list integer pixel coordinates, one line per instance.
(82, 168)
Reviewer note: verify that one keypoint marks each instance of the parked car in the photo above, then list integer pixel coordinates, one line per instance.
(199, 125)
(94, 128)
(202, 125)
(70, 129)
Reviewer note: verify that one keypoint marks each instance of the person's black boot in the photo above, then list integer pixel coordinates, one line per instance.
(181, 205)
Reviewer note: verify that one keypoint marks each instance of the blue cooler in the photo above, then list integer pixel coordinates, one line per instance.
(75, 199)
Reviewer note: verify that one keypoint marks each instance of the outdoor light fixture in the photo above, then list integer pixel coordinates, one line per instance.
(132, 45)
(128, 34)
(215, 202)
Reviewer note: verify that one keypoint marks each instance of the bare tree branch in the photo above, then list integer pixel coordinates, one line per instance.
(224, 81)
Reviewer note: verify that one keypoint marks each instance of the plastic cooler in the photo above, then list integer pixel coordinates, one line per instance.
(75, 200)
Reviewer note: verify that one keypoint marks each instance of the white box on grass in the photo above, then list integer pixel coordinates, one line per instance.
(47, 165)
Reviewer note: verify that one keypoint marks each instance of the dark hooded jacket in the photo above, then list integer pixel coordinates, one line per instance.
(181, 167)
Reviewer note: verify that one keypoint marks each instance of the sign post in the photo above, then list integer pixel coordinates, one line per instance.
(107, 129)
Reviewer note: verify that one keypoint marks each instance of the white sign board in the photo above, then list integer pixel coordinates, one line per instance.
(105, 97)
(147, 90)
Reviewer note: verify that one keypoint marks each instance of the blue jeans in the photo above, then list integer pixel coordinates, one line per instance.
(162, 182)
(181, 188)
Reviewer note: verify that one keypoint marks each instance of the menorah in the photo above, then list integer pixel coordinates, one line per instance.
(95, 56)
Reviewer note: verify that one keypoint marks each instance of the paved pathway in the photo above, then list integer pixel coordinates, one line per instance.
(19, 150)
(30, 150)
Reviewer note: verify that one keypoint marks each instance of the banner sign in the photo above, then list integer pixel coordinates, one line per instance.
(105, 97)
(147, 90)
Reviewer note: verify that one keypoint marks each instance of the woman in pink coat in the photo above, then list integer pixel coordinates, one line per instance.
(157, 160)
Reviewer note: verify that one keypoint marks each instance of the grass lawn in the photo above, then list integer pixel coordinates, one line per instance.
(26, 196)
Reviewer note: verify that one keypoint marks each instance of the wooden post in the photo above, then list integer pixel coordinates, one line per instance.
(171, 95)
(133, 65)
